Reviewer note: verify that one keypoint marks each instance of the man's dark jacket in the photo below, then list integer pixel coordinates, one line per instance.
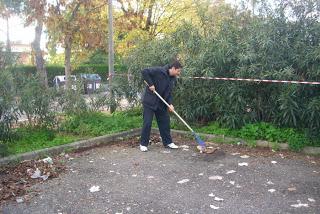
(159, 77)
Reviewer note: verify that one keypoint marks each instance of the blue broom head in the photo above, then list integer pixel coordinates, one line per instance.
(199, 140)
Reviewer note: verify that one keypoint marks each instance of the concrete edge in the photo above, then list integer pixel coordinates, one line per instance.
(131, 133)
(69, 147)
(259, 143)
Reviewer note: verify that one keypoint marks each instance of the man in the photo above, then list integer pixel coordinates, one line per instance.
(161, 79)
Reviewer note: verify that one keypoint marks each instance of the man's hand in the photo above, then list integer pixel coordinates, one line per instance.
(152, 88)
(171, 108)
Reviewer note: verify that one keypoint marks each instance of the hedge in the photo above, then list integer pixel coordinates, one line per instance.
(55, 70)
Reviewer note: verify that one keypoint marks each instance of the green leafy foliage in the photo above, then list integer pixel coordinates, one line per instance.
(54, 70)
(233, 43)
(97, 124)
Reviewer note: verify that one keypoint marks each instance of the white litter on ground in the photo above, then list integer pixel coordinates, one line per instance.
(184, 147)
(311, 200)
(214, 207)
(211, 195)
(114, 164)
(128, 208)
(95, 189)
(243, 164)
(19, 200)
(235, 154)
(231, 171)
(218, 199)
(271, 190)
(165, 152)
(244, 156)
(270, 183)
(91, 161)
(238, 186)
(36, 174)
(48, 160)
(111, 171)
(299, 204)
(232, 182)
(200, 174)
(274, 162)
(150, 177)
(216, 177)
(44, 177)
(183, 181)
(134, 175)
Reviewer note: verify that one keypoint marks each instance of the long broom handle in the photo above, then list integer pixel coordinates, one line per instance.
(165, 102)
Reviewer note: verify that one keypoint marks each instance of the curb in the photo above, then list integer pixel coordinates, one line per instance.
(71, 146)
(131, 133)
(259, 143)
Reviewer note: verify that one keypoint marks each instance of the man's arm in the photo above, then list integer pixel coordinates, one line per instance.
(147, 75)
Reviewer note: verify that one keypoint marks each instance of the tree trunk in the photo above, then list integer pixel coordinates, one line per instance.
(67, 60)
(150, 9)
(39, 58)
(111, 57)
(8, 48)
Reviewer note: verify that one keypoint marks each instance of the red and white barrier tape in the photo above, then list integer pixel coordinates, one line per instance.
(256, 80)
(238, 79)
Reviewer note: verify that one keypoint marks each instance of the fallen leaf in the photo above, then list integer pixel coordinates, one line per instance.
(95, 189)
(216, 177)
(214, 207)
(183, 181)
(243, 164)
(291, 189)
(230, 172)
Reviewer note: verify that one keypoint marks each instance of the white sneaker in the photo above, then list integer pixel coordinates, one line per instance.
(143, 148)
(172, 146)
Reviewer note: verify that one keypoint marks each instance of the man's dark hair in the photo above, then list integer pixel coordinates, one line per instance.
(176, 64)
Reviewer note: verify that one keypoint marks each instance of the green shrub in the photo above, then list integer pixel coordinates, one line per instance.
(23, 71)
(97, 124)
(35, 102)
(8, 110)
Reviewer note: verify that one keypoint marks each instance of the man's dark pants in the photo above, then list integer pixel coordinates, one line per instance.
(163, 120)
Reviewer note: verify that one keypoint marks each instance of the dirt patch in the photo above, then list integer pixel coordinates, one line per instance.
(15, 181)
